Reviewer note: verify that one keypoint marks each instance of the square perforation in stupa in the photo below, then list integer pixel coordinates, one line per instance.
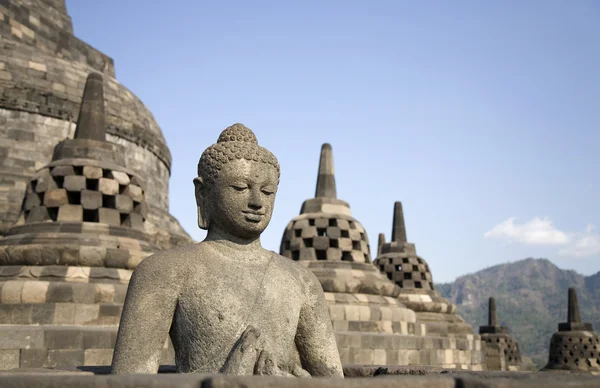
(67, 193)
(406, 272)
(325, 238)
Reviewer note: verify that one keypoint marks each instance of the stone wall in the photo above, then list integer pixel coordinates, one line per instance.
(45, 25)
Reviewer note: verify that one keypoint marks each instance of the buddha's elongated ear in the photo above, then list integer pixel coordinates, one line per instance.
(201, 201)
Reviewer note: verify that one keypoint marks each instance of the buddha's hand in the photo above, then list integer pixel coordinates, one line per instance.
(242, 358)
(266, 366)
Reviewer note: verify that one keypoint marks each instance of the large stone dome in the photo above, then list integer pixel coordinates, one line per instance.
(43, 69)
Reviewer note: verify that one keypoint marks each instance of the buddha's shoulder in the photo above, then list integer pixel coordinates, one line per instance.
(294, 269)
(172, 260)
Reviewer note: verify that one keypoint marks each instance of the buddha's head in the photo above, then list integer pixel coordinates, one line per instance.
(236, 184)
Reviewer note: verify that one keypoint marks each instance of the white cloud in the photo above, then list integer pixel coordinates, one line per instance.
(586, 244)
(538, 231)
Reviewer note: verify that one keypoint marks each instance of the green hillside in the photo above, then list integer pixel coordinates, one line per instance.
(531, 298)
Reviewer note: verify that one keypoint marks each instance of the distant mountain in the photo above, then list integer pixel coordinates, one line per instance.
(531, 299)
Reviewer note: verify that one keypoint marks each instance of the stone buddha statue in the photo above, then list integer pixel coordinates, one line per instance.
(229, 305)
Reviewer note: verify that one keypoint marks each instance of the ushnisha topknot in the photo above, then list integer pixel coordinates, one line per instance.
(235, 142)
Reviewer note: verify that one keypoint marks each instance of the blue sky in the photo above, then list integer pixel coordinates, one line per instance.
(481, 117)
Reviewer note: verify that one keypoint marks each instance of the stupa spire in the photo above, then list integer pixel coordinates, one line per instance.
(573, 307)
(492, 312)
(380, 242)
(398, 228)
(326, 179)
(91, 122)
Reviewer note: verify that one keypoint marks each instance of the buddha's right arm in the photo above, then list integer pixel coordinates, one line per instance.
(147, 315)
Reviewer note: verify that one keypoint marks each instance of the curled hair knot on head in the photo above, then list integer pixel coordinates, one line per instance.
(234, 143)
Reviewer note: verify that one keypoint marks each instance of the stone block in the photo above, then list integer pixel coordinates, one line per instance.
(320, 242)
(92, 172)
(135, 192)
(109, 216)
(141, 209)
(12, 337)
(44, 184)
(108, 186)
(345, 244)
(135, 221)
(9, 358)
(97, 357)
(32, 200)
(70, 213)
(123, 203)
(64, 313)
(63, 170)
(92, 256)
(86, 313)
(121, 177)
(308, 232)
(74, 183)
(322, 222)
(334, 232)
(64, 339)
(42, 313)
(11, 292)
(33, 358)
(99, 339)
(117, 258)
(55, 198)
(65, 357)
(91, 200)
(34, 291)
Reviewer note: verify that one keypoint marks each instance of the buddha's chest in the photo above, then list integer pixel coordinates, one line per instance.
(222, 305)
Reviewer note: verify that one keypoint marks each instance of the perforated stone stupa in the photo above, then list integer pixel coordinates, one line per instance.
(65, 266)
(43, 69)
(398, 260)
(502, 351)
(372, 326)
(575, 346)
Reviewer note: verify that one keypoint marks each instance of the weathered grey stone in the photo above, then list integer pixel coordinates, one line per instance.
(108, 186)
(90, 122)
(264, 315)
(109, 216)
(55, 198)
(135, 192)
(92, 172)
(121, 177)
(135, 221)
(91, 199)
(70, 213)
(74, 183)
(64, 170)
(123, 203)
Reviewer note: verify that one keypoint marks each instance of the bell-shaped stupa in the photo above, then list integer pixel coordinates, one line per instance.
(65, 265)
(502, 351)
(399, 261)
(372, 326)
(574, 347)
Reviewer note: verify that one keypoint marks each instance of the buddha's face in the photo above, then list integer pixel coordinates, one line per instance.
(241, 199)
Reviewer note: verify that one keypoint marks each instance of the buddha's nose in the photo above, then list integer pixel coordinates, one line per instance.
(255, 200)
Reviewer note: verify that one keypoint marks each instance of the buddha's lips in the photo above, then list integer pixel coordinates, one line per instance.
(253, 216)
